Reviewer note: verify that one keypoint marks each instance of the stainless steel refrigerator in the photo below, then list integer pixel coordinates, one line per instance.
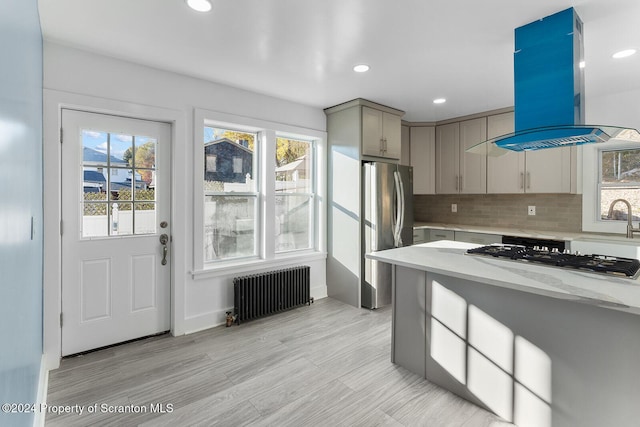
(388, 223)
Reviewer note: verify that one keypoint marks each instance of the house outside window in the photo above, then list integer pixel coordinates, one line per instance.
(230, 198)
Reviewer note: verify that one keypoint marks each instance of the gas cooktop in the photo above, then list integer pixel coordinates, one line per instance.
(616, 266)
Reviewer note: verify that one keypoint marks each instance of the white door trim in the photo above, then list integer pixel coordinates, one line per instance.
(53, 103)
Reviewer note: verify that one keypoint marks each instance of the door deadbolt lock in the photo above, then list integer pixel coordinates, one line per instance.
(164, 224)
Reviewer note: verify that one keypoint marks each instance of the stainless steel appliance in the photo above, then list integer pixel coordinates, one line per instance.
(388, 223)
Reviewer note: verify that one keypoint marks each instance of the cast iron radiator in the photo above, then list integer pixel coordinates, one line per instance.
(268, 293)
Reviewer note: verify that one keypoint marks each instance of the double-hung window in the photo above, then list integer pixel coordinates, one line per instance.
(231, 196)
(259, 188)
(619, 178)
(294, 194)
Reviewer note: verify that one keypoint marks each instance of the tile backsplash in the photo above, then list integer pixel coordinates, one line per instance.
(554, 212)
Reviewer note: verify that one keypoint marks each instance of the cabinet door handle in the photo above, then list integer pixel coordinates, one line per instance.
(460, 183)
(528, 180)
(457, 182)
(522, 180)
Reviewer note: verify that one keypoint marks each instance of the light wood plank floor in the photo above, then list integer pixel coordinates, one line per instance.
(323, 365)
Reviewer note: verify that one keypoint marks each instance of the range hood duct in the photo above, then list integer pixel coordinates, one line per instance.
(549, 90)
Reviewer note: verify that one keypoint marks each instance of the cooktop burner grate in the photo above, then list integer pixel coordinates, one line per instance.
(623, 267)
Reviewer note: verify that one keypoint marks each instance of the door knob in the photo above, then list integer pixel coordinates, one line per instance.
(164, 239)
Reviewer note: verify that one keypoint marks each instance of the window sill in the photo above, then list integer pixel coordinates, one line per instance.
(248, 266)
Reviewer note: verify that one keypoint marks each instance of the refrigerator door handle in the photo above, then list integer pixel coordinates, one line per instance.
(397, 228)
(401, 213)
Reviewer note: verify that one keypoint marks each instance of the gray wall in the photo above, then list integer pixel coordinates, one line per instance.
(554, 212)
(21, 199)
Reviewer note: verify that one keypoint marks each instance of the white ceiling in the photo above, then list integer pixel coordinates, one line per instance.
(304, 51)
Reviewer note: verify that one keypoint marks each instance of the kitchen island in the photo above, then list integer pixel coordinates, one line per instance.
(536, 345)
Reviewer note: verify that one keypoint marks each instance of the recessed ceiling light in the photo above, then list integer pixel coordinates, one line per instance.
(624, 53)
(200, 5)
(439, 101)
(582, 64)
(362, 68)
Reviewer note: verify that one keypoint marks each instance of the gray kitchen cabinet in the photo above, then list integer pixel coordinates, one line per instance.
(405, 146)
(479, 238)
(505, 173)
(381, 133)
(438, 234)
(544, 171)
(347, 136)
(457, 171)
(423, 159)
(551, 171)
(419, 235)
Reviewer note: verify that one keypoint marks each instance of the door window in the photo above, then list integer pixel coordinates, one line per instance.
(119, 189)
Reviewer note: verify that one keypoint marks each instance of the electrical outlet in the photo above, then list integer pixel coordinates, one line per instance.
(454, 207)
(532, 210)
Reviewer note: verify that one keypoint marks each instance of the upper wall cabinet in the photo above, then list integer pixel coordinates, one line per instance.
(366, 130)
(405, 149)
(505, 174)
(544, 171)
(381, 133)
(458, 171)
(423, 159)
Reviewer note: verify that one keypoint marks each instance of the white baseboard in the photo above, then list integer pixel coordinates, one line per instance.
(43, 385)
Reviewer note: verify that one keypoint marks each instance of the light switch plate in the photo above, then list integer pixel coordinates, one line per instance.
(454, 207)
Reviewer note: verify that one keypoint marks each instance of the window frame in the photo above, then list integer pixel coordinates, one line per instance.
(592, 185)
(266, 255)
(312, 195)
(255, 194)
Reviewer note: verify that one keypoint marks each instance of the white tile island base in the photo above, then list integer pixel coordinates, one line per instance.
(535, 360)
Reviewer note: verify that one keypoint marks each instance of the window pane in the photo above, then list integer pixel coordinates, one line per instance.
(229, 226)
(94, 181)
(122, 190)
(621, 166)
(121, 219)
(94, 148)
(619, 179)
(145, 218)
(94, 216)
(144, 160)
(229, 160)
(293, 222)
(619, 211)
(293, 166)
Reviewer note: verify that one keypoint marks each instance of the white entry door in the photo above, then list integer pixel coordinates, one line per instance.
(115, 229)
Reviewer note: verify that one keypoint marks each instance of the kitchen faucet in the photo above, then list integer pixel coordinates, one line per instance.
(630, 229)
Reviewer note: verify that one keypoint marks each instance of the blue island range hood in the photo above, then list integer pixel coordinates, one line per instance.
(549, 90)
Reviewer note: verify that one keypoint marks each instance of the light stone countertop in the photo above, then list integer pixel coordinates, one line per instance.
(449, 258)
(537, 234)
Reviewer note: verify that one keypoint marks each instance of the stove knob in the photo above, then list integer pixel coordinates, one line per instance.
(577, 253)
(554, 250)
(545, 249)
